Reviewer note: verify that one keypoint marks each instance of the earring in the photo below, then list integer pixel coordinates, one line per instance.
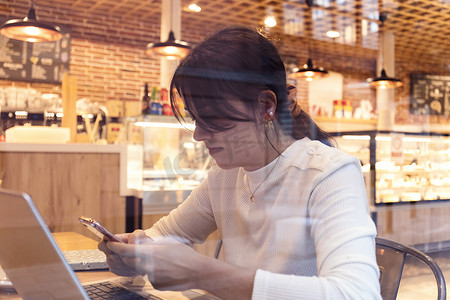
(269, 124)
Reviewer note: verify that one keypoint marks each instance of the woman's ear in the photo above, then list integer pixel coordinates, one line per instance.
(267, 101)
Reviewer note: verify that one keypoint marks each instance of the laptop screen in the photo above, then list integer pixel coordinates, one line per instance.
(29, 255)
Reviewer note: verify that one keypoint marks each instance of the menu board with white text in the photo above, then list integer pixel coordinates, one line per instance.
(430, 95)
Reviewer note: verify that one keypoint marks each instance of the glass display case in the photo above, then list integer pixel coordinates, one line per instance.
(401, 167)
(164, 161)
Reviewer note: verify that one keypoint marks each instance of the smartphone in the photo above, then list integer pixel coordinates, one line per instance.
(98, 229)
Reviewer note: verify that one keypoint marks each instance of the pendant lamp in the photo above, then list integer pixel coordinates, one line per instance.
(30, 29)
(309, 71)
(384, 81)
(171, 49)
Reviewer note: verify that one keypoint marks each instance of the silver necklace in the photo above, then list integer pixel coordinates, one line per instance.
(252, 194)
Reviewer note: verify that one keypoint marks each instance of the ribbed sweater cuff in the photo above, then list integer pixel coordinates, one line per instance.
(269, 286)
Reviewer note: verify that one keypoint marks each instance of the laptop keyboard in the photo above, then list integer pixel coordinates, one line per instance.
(90, 259)
(108, 290)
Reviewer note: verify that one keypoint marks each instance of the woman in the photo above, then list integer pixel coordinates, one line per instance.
(291, 210)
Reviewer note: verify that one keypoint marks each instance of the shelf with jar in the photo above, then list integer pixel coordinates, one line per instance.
(332, 124)
(344, 117)
(36, 118)
(345, 120)
(401, 167)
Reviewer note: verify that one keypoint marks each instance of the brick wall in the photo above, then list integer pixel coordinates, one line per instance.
(108, 60)
(107, 54)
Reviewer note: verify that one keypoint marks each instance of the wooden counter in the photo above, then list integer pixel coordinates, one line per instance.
(68, 180)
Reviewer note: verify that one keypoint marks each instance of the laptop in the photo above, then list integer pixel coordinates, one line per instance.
(36, 266)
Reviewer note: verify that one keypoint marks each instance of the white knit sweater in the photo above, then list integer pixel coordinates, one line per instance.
(308, 233)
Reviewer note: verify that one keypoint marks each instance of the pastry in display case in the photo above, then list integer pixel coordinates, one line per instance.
(402, 167)
(164, 161)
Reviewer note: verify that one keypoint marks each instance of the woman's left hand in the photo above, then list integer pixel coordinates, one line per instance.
(168, 263)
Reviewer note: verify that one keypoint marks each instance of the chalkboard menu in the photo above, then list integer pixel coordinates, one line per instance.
(35, 62)
(430, 95)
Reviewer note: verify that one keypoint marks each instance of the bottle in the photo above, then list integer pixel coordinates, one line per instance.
(338, 109)
(348, 111)
(166, 108)
(2, 134)
(180, 105)
(156, 106)
(145, 108)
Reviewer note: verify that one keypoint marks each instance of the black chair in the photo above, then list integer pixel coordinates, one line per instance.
(391, 257)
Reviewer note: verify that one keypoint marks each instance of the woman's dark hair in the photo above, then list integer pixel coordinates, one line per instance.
(236, 63)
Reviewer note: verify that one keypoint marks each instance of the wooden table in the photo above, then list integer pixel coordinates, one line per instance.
(74, 241)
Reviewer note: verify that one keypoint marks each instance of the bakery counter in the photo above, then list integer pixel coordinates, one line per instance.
(407, 179)
(69, 180)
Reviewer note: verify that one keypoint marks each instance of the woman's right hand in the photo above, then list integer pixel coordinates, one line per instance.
(116, 264)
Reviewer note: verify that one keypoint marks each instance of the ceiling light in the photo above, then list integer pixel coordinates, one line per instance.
(30, 29)
(270, 21)
(194, 7)
(309, 72)
(170, 49)
(333, 34)
(384, 81)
